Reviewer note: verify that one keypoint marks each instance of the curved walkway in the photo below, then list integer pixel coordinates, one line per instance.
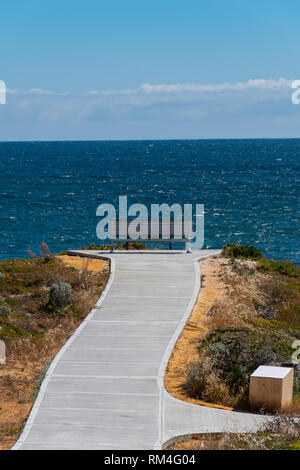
(104, 389)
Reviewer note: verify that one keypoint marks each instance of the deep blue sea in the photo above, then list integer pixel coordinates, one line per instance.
(50, 190)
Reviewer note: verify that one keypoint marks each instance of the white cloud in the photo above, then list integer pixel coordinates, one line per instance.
(146, 88)
(279, 84)
(256, 107)
(167, 102)
(40, 91)
(12, 91)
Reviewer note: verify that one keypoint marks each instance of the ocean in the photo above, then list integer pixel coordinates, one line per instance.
(250, 188)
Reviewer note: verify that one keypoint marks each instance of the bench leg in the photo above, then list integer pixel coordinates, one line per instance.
(112, 247)
(188, 247)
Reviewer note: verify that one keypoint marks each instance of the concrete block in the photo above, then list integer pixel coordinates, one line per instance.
(271, 387)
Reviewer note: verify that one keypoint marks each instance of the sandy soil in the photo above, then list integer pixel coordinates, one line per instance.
(16, 400)
(208, 442)
(78, 262)
(212, 290)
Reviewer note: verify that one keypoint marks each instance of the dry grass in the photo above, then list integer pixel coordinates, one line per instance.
(201, 376)
(282, 433)
(236, 307)
(83, 264)
(26, 359)
(294, 408)
(25, 362)
(197, 442)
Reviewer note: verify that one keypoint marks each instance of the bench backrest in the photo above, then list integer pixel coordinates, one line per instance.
(150, 230)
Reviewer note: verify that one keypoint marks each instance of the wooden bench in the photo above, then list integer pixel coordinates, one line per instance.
(151, 232)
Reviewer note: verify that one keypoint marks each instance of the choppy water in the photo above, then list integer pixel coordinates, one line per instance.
(250, 188)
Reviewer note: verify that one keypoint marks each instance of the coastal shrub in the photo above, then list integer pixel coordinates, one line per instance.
(5, 309)
(241, 269)
(135, 245)
(2, 276)
(282, 267)
(94, 246)
(60, 294)
(234, 250)
(265, 310)
(280, 433)
(203, 383)
(196, 378)
(273, 294)
(236, 353)
(11, 332)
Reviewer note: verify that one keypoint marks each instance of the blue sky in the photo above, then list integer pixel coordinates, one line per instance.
(141, 70)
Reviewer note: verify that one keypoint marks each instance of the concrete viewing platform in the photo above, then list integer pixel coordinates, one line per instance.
(104, 389)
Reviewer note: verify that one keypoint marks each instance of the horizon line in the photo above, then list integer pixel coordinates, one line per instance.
(148, 140)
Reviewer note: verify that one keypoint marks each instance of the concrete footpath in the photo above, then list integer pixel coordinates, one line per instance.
(104, 389)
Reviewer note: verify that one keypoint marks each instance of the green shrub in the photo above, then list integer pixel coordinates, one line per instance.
(5, 309)
(135, 245)
(234, 250)
(236, 353)
(93, 246)
(282, 267)
(295, 446)
(60, 294)
(12, 332)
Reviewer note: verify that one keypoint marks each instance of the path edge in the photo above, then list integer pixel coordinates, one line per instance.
(167, 354)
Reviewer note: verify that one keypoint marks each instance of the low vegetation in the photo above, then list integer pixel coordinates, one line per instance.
(121, 246)
(256, 323)
(5, 309)
(60, 295)
(283, 433)
(281, 267)
(234, 250)
(42, 301)
(37, 291)
(249, 316)
(231, 355)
